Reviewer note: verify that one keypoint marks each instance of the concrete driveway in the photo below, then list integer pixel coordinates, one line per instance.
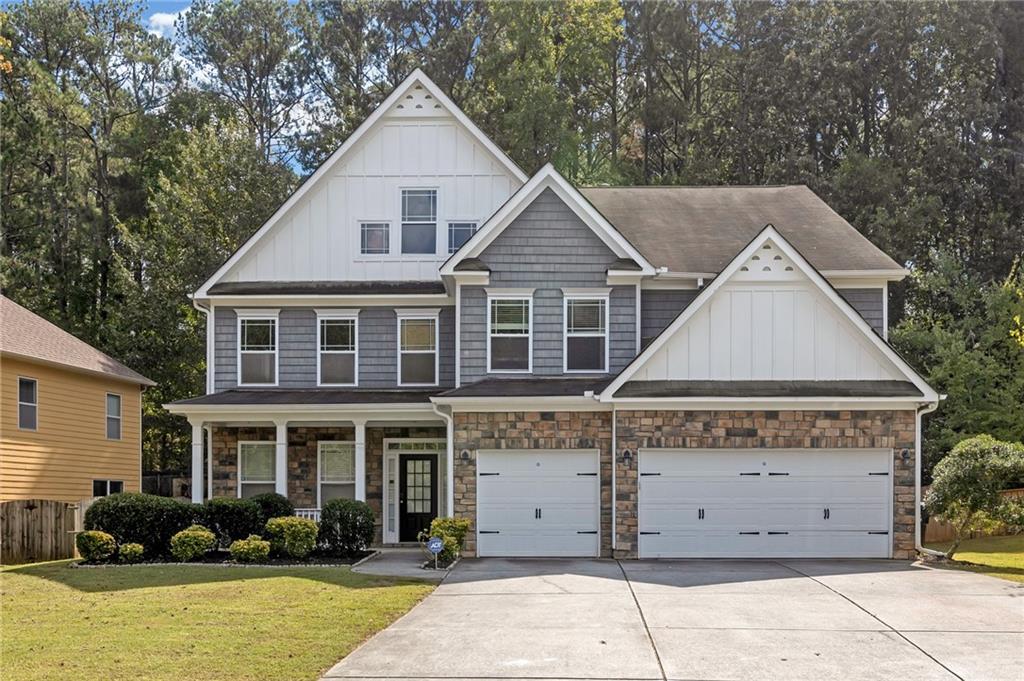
(703, 619)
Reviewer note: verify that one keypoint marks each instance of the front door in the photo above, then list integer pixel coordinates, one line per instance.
(417, 494)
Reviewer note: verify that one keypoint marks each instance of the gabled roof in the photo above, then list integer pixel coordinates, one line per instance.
(416, 78)
(547, 178)
(738, 266)
(699, 229)
(26, 335)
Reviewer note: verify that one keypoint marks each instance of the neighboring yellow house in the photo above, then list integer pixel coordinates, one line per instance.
(70, 416)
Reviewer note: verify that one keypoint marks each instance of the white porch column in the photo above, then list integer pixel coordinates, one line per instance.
(197, 461)
(360, 459)
(281, 459)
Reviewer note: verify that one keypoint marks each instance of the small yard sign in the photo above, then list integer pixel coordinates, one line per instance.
(435, 545)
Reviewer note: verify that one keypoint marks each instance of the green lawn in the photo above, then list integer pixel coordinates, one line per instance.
(996, 556)
(155, 622)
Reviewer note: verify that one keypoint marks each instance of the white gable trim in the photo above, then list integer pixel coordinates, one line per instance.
(547, 178)
(416, 76)
(770, 233)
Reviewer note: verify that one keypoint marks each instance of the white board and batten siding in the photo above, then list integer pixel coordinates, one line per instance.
(768, 324)
(408, 148)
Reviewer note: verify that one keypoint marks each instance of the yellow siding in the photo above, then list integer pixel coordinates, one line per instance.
(70, 448)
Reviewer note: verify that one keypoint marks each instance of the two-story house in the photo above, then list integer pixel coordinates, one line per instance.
(580, 371)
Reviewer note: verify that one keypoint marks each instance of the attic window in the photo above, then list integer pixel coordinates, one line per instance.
(419, 221)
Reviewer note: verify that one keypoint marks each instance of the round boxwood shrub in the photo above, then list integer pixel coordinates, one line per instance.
(133, 518)
(346, 527)
(251, 550)
(292, 537)
(232, 519)
(272, 505)
(95, 546)
(130, 552)
(192, 542)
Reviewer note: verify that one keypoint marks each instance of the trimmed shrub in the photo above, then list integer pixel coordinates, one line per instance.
(452, 532)
(192, 542)
(130, 553)
(95, 546)
(251, 550)
(272, 505)
(133, 518)
(292, 537)
(346, 527)
(232, 519)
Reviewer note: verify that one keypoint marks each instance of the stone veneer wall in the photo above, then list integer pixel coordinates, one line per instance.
(767, 429)
(529, 430)
(375, 466)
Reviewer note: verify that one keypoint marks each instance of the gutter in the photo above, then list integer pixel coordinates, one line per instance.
(921, 411)
(209, 344)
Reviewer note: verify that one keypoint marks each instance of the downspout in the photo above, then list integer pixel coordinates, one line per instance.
(921, 411)
(450, 454)
(615, 503)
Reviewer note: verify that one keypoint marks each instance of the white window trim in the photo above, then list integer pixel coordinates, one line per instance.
(359, 239)
(437, 224)
(258, 315)
(36, 405)
(238, 466)
(433, 313)
(448, 229)
(319, 479)
(493, 295)
(352, 315)
(604, 297)
(120, 422)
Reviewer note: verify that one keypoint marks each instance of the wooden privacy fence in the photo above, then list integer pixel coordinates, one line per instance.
(937, 531)
(38, 529)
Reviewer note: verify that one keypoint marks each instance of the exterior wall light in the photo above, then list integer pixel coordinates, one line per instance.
(627, 457)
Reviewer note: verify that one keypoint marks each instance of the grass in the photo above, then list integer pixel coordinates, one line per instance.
(152, 622)
(996, 556)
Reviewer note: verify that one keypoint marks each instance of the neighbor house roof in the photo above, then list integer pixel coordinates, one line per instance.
(700, 229)
(346, 288)
(26, 335)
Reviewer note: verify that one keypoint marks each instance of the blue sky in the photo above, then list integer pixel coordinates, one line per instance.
(159, 15)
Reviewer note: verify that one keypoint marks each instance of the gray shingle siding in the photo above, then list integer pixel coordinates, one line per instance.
(547, 248)
(658, 307)
(378, 348)
(870, 303)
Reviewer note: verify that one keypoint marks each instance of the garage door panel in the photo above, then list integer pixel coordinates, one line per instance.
(809, 544)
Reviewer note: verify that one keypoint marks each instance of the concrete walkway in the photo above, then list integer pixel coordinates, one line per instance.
(710, 619)
(399, 562)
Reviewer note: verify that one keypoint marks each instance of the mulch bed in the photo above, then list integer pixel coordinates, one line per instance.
(224, 558)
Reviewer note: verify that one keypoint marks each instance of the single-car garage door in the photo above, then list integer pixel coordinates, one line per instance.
(765, 503)
(538, 502)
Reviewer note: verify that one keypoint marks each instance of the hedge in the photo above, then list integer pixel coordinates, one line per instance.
(133, 518)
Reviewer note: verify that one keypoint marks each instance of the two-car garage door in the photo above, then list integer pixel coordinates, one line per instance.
(765, 503)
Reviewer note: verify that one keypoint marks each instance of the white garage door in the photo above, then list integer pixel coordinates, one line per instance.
(538, 503)
(765, 503)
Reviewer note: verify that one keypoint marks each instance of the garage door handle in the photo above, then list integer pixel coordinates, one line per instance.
(778, 474)
(878, 532)
(586, 531)
(750, 533)
(483, 474)
(593, 474)
(778, 533)
(490, 532)
(650, 533)
(750, 474)
(644, 475)
(885, 473)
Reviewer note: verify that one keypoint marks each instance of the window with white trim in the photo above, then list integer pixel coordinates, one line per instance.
(419, 221)
(374, 238)
(28, 404)
(508, 337)
(337, 362)
(113, 416)
(256, 469)
(337, 471)
(257, 350)
(459, 233)
(586, 334)
(417, 350)
(102, 488)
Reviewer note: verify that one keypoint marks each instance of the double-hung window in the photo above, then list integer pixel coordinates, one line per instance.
(337, 359)
(586, 334)
(508, 334)
(113, 416)
(257, 347)
(459, 233)
(374, 238)
(417, 347)
(28, 404)
(256, 470)
(336, 462)
(419, 221)
(102, 488)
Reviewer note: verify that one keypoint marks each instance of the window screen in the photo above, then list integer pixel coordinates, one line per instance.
(337, 471)
(113, 416)
(28, 403)
(509, 334)
(586, 334)
(256, 470)
(418, 351)
(338, 351)
(258, 338)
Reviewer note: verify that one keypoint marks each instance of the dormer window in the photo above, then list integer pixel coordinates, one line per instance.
(419, 221)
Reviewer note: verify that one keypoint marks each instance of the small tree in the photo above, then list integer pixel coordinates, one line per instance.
(967, 486)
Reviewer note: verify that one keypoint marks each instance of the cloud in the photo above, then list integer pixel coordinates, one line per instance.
(162, 23)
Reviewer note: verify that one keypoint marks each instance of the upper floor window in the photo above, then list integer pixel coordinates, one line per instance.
(28, 403)
(417, 348)
(508, 337)
(337, 356)
(256, 468)
(419, 221)
(586, 334)
(337, 466)
(113, 416)
(257, 350)
(459, 233)
(101, 488)
(375, 238)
